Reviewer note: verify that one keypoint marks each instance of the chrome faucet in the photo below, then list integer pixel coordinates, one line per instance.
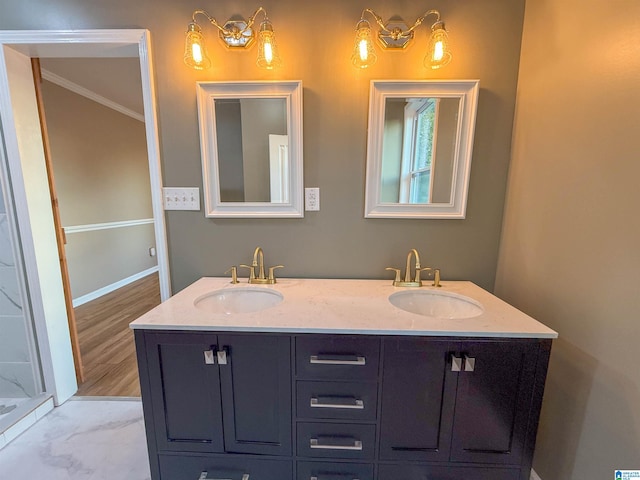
(407, 282)
(258, 262)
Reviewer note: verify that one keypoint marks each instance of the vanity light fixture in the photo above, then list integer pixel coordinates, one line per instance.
(396, 35)
(236, 35)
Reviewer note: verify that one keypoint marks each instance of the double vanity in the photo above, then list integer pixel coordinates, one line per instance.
(318, 379)
(312, 379)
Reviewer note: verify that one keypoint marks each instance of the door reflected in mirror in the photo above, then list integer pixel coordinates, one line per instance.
(419, 148)
(251, 142)
(253, 164)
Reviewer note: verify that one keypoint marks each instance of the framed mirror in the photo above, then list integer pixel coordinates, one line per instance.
(419, 148)
(251, 145)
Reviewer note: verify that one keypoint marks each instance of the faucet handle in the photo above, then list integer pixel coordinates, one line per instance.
(397, 270)
(418, 270)
(272, 278)
(436, 278)
(234, 274)
(252, 272)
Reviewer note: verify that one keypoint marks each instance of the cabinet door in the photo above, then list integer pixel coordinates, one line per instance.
(418, 392)
(186, 392)
(493, 401)
(256, 393)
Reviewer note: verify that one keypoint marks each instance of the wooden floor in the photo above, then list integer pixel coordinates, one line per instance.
(106, 342)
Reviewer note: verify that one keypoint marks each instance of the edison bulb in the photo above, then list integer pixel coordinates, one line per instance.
(438, 53)
(363, 53)
(195, 54)
(268, 56)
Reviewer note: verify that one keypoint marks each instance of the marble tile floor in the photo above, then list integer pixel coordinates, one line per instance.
(87, 438)
(83, 439)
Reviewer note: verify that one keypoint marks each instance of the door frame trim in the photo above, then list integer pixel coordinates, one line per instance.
(76, 43)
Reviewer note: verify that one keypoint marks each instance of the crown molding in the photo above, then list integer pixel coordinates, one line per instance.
(91, 95)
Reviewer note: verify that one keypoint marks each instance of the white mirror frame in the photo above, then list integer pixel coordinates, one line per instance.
(467, 92)
(207, 93)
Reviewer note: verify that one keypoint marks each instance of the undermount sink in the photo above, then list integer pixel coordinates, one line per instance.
(430, 303)
(233, 301)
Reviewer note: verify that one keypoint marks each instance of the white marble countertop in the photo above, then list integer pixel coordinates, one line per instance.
(341, 307)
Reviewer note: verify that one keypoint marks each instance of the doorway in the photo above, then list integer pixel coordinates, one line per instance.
(26, 169)
(93, 118)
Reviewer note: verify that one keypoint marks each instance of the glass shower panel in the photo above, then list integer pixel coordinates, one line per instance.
(20, 379)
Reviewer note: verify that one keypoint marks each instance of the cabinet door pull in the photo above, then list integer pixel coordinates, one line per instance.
(338, 359)
(456, 363)
(205, 476)
(469, 363)
(335, 443)
(337, 402)
(222, 356)
(209, 358)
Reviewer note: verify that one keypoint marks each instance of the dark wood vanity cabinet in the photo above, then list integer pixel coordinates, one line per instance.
(325, 407)
(215, 394)
(460, 402)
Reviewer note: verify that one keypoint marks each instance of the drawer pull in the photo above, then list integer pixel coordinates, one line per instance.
(338, 360)
(332, 477)
(338, 443)
(205, 476)
(336, 402)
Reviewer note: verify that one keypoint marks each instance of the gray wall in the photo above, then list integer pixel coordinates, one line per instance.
(102, 175)
(392, 150)
(260, 117)
(570, 251)
(229, 146)
(445, 151)
(337, 241)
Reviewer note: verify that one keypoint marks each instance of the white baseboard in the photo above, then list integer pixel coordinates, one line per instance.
(534, 475)
(114, 286)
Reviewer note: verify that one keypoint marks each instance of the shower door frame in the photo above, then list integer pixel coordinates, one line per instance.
(23, 290)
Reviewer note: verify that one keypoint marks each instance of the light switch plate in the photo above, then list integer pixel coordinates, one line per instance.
(312, 199)
(181, 198)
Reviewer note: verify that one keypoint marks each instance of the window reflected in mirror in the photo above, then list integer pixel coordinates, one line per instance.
(419, 148)
(417, 169)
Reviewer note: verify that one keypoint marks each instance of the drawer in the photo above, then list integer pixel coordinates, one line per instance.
(336, 440)
(334, 471)
(425, 472)
(183, 467)
(336, 357)
(347, 400)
